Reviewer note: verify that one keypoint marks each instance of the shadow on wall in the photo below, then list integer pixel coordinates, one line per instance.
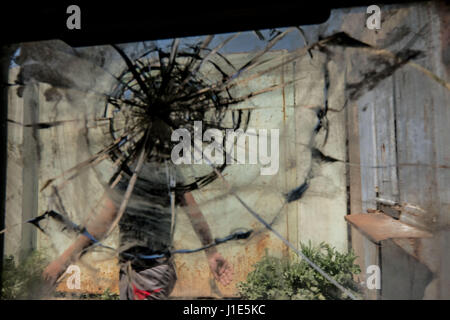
(403, 277)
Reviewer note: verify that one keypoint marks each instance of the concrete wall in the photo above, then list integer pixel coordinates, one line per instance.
(317, 217)
(418, 135)
(403, 154)
(14, 189)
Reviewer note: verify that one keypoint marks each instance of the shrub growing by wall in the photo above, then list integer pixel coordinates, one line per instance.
(280, 278)
(23, 280)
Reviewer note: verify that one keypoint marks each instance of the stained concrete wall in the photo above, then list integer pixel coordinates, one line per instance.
(317, 217)
(14, 189)
(403, 155)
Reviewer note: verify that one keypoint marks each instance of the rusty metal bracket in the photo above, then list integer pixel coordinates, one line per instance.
(378, 227)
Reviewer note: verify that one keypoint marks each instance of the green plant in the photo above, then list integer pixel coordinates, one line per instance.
(281, 278)
(22, 280)
(108, 295)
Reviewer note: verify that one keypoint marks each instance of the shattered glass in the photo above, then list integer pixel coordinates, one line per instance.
(107, 113)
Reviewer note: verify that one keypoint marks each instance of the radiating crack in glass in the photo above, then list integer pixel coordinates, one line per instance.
(159, 90)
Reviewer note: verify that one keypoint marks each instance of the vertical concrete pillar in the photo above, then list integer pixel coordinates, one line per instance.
(30, 166)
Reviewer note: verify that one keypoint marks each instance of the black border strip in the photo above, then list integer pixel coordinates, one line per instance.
(118, 22)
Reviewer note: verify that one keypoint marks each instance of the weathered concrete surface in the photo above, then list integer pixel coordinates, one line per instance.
(317, 217)
(411, 276)
(13, 217)
(402, 133)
